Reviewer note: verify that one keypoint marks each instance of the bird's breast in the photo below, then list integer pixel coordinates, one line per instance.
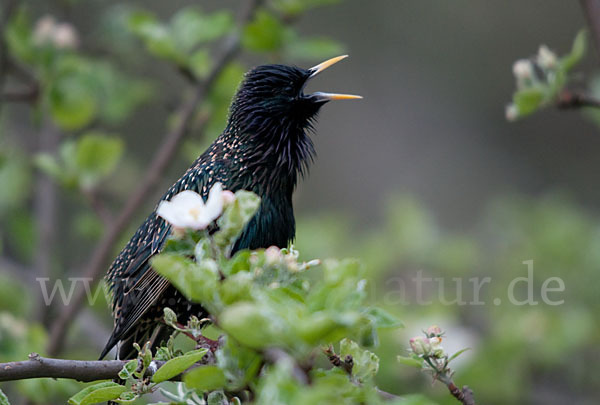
(272, 225)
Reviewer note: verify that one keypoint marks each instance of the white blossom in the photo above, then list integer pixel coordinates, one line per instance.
(436, 347)
(523, 69)
(48, 31)
(420, 345)
(44, 30)
(228, 197)
(65, 36)
(188, 209)
(512, 112)
(273, 255)
(546, 58)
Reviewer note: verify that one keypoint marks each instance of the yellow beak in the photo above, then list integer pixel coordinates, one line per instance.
(315, 70)
(324, 65)
(335, 96)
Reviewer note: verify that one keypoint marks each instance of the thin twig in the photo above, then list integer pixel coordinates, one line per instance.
(347, 364)
(336, 360)
(97, 205)
(45, 208)
(275, 355)
(163, 156)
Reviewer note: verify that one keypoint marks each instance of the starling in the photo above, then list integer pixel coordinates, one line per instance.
(263, 149)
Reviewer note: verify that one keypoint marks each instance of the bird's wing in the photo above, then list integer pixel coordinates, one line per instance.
(145, 286)
(135, 286)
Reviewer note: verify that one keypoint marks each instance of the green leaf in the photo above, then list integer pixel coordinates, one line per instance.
(128, 397)
(217, 398)
(239, 262)
(49, 165)
(410, 361)
(264, 34)
(128, 369)
(178, 365)
(18, 35)
(366, 363)
(156, 37)
(239, 364)
(235, 217)
(191, 27)
(458, 353)
(97, 156)
(568, 61)
(197, 281)
(384, 319)
(101, 392)
(200, 63)
(138, 18)
(296, 7)
(528, 100)
(3, 399)
(205, 378)
(170, 316)
(72, 102)
(313, 48)
(119, 94)
(316, 327)
(235, 288)
(15, 178)
(249, 324)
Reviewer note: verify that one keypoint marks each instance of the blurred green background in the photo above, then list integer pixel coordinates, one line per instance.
(423, 175)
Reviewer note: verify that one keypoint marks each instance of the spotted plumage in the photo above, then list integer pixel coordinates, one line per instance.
(264, 148)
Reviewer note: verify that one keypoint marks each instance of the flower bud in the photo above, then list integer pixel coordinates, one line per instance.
(436, 349)
(170, 316)
(48, 31)
(523, 69)
(420, 345)
(546, 58)
(512, 112)
(228, 197)
(435, 342)
(273, 255)
(434, 330)
(65, 36)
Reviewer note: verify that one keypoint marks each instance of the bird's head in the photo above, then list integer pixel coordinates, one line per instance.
(273, 95)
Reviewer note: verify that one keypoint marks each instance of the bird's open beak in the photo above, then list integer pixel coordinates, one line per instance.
(315, 70)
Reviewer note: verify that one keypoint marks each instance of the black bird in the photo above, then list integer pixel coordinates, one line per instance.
(264, 147)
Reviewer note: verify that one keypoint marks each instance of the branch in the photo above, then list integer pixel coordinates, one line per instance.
(568, 99)
(17, 270)
(464, 395)
(591, 10)
(80, 370)
(163, 156)
(28, 95)
(7, 12)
